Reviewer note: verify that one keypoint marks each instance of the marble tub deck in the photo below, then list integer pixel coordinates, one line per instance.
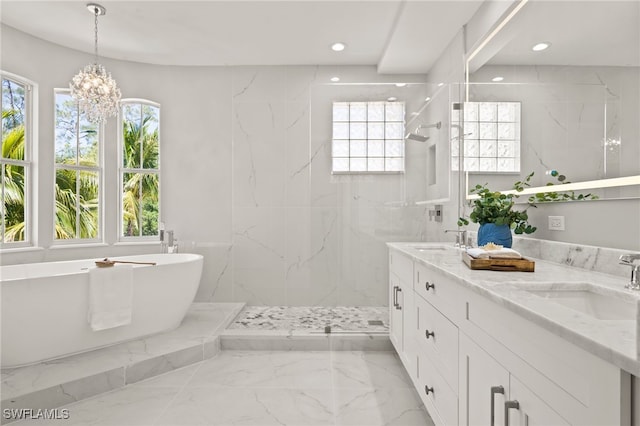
(58, 382)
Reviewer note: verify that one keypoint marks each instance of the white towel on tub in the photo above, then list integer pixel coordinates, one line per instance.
(110, 296)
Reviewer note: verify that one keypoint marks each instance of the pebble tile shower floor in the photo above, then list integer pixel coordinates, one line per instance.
(313, 318)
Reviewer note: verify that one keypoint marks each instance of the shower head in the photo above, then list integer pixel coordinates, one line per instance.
(415, 136)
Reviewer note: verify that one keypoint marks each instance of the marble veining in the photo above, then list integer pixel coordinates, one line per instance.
(339, 318)
(264, 388)
(614, 341)
(53, 383)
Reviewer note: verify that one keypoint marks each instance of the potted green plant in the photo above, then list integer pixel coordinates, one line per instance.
(494, 212)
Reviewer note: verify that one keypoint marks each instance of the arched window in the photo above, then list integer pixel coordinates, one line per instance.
(139, 124)
(78, 173)
(16, 186)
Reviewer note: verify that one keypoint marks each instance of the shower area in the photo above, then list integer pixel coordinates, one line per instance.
(358, 160)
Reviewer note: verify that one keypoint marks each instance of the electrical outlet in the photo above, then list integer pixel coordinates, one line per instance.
(556, 223)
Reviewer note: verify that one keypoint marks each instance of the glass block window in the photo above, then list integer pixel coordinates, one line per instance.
(491, 137)
(368, 137)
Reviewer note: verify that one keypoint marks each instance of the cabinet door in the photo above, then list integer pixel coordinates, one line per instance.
(531, 411)
(395, 313)
(483, 384)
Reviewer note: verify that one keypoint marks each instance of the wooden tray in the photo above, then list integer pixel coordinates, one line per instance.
(521, 265)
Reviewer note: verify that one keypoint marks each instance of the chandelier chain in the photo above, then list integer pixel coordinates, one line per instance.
(95, 27)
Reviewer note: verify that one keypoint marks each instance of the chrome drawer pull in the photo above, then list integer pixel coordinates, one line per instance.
(429, 285)
(494, 391)
(395, 296)
(429, 333)
(507, 406)
(398, 306)
(428, 390)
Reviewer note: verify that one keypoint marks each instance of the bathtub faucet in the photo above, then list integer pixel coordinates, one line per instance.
(168, 243)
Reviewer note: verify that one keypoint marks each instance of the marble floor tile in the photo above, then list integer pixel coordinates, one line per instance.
(380, 406)
(266, 369)
(250, 406)
(173, 379)
(368, 370)
(262, 388)
(130, 406)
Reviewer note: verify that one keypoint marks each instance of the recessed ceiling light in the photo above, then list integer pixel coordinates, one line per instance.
(392, 99)
(440, 84)
(335, 79)
(338, 47)
(401, 84)
(541, 46)
(498, 78)
(427, 99)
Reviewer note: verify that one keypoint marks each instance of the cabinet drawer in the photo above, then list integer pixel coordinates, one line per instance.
(438, 339)
(440, 398)
(440, 291)
(401, 266)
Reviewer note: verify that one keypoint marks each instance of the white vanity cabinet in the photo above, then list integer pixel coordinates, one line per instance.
(492, 393)
(469, 357)
(401, 310)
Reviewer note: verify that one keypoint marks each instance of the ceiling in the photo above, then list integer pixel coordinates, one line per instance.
(583, 33)
(397, 36)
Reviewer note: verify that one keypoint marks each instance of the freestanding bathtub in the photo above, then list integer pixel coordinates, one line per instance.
(45, 305)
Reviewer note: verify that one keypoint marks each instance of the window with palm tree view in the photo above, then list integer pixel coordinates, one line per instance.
(78, 172)
(140, 172)
(14, 162)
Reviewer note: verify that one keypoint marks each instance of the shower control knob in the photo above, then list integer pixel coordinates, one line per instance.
(429, 285)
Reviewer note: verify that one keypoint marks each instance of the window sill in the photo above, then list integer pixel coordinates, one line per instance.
(80, 245)
(137, 243)
(20, 249)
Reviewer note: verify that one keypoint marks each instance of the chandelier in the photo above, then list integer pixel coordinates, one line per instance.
(95, 92)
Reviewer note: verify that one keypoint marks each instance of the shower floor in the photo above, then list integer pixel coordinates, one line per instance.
(359, 319)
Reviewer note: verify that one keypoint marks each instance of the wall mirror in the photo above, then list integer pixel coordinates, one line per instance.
(573, 70)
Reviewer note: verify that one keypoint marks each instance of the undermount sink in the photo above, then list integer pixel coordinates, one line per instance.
(596, 305)
(429, 248)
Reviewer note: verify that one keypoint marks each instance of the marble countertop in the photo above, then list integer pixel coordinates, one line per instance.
(614, 340)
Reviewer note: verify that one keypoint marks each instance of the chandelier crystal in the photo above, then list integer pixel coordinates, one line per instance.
(96, 93)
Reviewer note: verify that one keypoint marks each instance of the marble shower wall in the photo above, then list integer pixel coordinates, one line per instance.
(301, 236)
(245, 178)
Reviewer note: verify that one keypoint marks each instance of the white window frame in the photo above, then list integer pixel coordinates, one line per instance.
(368, 140)
(122, 170)
(78, 168)
(28, 164)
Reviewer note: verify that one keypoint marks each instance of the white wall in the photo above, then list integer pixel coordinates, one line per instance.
(245, 157)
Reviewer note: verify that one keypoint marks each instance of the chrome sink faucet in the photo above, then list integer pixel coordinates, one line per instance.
(461, 237)
(629, 260)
